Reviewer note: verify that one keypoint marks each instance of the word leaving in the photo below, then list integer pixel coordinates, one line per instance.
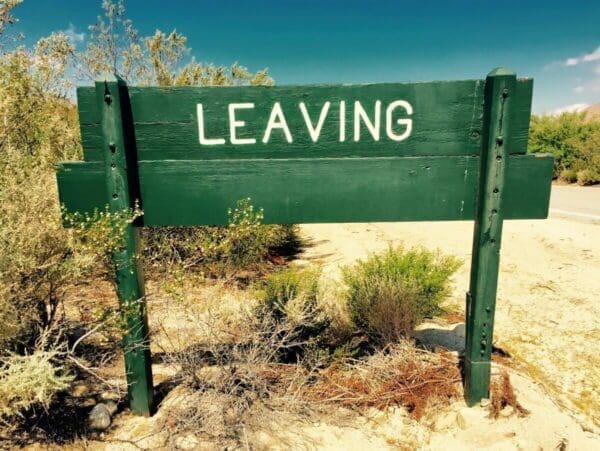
(396, 121)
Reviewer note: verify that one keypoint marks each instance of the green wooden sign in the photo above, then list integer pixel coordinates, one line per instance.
(346, 153)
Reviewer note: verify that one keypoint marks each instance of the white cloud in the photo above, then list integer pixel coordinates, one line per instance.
(571, 62)
(587, 58)
(570, 108)
(594, 56)
(74, 37)
(579, 89)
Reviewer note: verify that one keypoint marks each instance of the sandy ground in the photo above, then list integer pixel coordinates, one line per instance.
(547, 314)
(547, 319)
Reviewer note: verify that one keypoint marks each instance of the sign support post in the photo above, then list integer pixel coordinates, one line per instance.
(481, 299)
(119, 172)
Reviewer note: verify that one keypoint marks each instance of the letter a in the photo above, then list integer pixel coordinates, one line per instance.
(277, 120)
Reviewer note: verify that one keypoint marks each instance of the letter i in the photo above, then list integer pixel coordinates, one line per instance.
(342, 121)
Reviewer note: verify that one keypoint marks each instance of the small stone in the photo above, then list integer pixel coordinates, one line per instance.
(87, 402)
(485, 402)
(99, 417)
(79, 390)
(111, 406)
(110, 396)
(507, 411)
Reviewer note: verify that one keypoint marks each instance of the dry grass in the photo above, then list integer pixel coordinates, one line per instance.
(402, 375)
(229, 369)
(502, 395)
(235, 372)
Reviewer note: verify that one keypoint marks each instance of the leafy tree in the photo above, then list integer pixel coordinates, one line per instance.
(161, 59)
(6, 20)
(573, 139)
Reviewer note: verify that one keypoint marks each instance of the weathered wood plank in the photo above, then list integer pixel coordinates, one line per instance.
(325, 190)
(447, 120)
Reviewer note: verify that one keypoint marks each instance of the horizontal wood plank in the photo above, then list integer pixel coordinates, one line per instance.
(447, 120)
(308, 191)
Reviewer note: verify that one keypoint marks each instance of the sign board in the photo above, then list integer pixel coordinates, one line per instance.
(346, 153)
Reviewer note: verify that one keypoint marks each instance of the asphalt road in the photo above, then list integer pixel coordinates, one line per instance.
(576, 202)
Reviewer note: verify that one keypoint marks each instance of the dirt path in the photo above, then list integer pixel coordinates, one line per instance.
(547, 310)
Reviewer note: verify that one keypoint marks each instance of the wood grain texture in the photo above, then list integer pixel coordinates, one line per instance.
(447, 120)
(309, 191)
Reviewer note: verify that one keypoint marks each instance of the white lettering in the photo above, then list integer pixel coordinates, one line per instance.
(342, 121)
(233, 123)
(314, 131)
(407, 122)
(398, 122)
(360, 113)
(277, 120)
(203, 139)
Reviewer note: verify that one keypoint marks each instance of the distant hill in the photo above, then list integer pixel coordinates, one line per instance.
(593, 111)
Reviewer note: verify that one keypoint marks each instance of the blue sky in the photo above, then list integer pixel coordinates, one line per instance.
(331, 41)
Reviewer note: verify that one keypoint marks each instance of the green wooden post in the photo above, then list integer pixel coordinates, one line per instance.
(500, 87)
(121, 176)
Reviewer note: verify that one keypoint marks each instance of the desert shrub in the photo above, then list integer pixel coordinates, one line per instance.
(588, 177)
(29, 380)
(37, 258)
(230, 370)
(388, 294)
(245, 241)
(568, 175)
(290, 297)
(284, 288)
(573, 139)
(244, 244)
(40, 260)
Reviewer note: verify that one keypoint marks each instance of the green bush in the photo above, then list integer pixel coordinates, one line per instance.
(244, 244)
(573, 139)
(291, 297)
(40, 260)
(390, 293)
(283, 289)
(568, 175)
(588, 177)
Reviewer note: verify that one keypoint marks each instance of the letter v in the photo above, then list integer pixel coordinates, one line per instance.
(314, 131)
